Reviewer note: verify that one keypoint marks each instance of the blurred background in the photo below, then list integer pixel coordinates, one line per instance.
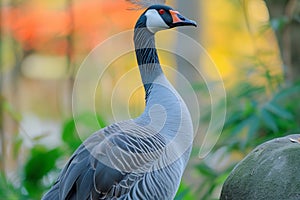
(254, 43)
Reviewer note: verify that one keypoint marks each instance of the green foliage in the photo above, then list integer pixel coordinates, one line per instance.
(8, 190)
(11, 111)
(254, 114)
(69, 133)
(210, 181)
(184, 193)
(40, 163)
(257, 111)
(261, 107)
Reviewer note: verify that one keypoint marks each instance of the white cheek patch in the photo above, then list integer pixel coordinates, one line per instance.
(154, 21)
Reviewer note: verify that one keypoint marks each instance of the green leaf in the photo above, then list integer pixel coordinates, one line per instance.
(254, 125)
(39, 164)
(41, 161)
(238, 128)
(101, 121)
(7, 190)
(248, 90)
(253, 128)
(70, 136)
(11, 111)
(249, 108)
(287, 92)
(233, 119)
(184, 193)
(18, 142)
(39, 137)
(204, 169)
(222, 178)
(269, 120)
(277, 110)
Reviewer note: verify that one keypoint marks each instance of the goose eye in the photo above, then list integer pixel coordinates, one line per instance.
(161, 11)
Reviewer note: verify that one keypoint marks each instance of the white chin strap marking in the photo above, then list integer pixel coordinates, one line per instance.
(154, 21)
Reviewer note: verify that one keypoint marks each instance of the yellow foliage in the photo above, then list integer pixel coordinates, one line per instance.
(236, 34)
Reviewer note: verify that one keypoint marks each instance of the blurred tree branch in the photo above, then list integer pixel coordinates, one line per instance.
(9, 125)
(70, 55)
(285, 18)
(1, 97)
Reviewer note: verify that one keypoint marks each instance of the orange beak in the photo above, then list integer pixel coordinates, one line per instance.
(175, 17)
(179, 20)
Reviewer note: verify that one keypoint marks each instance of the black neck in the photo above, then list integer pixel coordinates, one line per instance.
(146, 53)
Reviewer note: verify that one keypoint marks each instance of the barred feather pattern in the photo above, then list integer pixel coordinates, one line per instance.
(140, 158)
(142, 4)
(119, 163)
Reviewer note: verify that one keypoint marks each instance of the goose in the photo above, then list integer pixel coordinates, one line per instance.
(144, 157)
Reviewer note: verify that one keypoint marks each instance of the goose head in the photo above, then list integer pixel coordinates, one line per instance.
(161, 17)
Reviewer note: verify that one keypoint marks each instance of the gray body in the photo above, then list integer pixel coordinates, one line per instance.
(142, 158)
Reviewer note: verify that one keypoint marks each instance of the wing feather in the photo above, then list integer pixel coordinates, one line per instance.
(108, 163)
